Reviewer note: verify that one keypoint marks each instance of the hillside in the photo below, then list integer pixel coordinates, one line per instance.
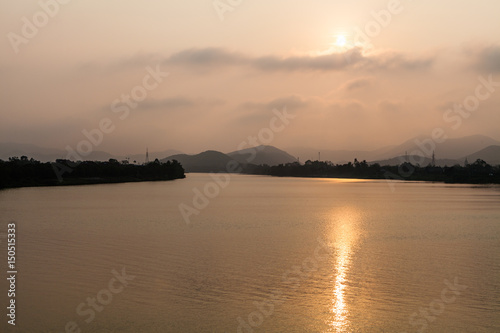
(262, 155)
(490, 155)
(208, 161)
(449, 149)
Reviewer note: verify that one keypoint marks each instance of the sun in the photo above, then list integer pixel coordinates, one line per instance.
(341, 41)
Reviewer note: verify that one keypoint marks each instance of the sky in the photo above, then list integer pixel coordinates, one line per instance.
(206, 74)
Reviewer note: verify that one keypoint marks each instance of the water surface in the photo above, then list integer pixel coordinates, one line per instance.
(265, 255)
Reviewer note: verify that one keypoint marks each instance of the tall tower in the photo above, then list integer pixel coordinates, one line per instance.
(319, 156)
(433, 159)
(147, 156)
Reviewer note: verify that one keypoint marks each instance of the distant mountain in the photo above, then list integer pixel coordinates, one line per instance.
(449, 149)
(262, 155)
(215, 161)
(449, 152)
(417, 159)
(490, 155)
(208, 161)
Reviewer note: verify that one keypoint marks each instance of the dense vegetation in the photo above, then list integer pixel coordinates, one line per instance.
(28, 172)
(478, 172)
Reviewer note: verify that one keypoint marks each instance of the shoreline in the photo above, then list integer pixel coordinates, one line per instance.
(87, 181)
(374, 178)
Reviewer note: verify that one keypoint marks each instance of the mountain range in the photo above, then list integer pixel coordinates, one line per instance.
(450, 152)
(449, 149)
(214, 161)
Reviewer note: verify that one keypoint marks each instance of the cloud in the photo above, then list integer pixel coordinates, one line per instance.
(353, 58)
(217, 58)
(208, 56)
(392, 60)
(357, 84)
(488, 59)
(293, 102)
(175, 103)
(167, 103)
(390, 107)
(482, 58)
(328, 62)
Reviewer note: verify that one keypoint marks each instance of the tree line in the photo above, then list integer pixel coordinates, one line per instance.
(478, 172)
(21, 172)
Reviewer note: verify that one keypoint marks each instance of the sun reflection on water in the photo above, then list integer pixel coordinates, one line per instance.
(345, 235)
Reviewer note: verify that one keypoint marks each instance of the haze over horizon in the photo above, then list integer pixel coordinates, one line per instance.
(347, 90)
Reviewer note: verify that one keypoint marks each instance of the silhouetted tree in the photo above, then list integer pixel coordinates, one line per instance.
(24, 172)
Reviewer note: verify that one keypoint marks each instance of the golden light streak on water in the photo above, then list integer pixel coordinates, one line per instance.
(345, 234)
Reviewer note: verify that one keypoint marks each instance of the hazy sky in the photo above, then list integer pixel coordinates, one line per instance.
(226, 76)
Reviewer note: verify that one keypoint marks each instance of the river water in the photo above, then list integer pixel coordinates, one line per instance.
(260, 254)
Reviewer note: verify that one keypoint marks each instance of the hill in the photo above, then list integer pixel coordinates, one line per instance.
(490, 155)
(455, 148)
(450, 149)
(208, 161)
(262, 155)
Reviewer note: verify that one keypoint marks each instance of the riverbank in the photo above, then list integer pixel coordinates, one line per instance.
(22, 172)
(478, 172)
(85, 181)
